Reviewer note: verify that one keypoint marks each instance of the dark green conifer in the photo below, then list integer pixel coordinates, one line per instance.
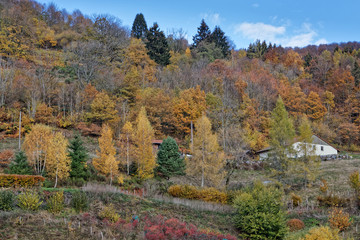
(203, 33)
(169, 162)
(20, 165)
(356, 73)
(79, 156)
(218, 37)
(157, 46)
(139, 27)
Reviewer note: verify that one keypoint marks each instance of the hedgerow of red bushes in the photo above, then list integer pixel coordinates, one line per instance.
(25, 181)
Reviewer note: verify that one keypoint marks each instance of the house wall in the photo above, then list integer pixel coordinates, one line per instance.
(320, 150)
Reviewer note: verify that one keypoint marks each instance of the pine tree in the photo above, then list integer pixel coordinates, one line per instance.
(169, 162)
(307, 163)
(203, 33)
(139, 27)
(106, 163)
(19, 165)
(207, 160)
(144, 135)
(281, 136)
(79, 157)
(218, 37)
(158, 48)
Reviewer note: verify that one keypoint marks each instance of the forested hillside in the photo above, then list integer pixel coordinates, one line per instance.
(69, 70)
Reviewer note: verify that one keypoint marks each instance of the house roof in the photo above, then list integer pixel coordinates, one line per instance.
(157, 141)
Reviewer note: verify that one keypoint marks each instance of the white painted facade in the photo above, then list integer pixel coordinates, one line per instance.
(321, 149)
(317, 149)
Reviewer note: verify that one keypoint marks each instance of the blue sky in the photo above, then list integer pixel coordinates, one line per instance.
(286, 22)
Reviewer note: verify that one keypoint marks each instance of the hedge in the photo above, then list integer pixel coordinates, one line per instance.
(26, 181)
(203, 194)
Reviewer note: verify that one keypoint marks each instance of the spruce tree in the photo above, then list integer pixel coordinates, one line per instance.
(79, 156)
(218, 37)
(20, 165)
(157, 46)
(169, 162)
(203, 33)
(139, 27)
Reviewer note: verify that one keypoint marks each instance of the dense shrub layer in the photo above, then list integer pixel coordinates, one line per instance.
(25, 181)
(203, 194)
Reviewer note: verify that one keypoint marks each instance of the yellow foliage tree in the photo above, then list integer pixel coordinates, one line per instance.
(137, 60)
(207, 159)
(307, 163)
(128, 134)
(36, 145)
(103, 109)
(188, 107)
(58, 164)
(106, 162)
(143, 137)
(314, 108)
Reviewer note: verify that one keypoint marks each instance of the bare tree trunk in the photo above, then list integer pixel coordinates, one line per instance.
(127, 154)
(20, 131)
(56, 178)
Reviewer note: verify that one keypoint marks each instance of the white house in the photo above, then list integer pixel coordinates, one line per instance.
(321, 149)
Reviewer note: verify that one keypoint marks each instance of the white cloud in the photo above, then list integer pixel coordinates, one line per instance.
(301, 37)
(259, 30)
(321, 41)
(213, 18)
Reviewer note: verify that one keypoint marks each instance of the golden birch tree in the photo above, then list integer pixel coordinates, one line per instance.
(143, 137)
(106, 162)
(58, 166)
(207, 159)
(36, 146)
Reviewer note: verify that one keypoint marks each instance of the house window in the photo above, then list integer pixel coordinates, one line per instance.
(322, 148)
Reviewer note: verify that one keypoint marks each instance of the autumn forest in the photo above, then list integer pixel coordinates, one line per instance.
(91, 98)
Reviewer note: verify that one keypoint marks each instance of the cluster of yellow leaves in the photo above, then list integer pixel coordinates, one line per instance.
(47, 151)
(207, 160)
(322, 233)
(338, 219)
(106, 162)
(143, 137)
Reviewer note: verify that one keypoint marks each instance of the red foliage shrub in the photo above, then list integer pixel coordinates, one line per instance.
(295, 225)
(6, 155)
(89, 130)
(160, 228)
(11, 180)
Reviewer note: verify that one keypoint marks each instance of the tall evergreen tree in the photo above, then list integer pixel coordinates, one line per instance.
(281, 134)
(356, 73)
(169, 162)
(20, 165)
(257, 49)
(139, 27)
(157, 46)
(218, 37)
(79, 156)
(203, 33)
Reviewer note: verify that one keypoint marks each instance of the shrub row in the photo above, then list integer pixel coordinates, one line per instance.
(161, 228)
(26, 181)
(194, 193)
